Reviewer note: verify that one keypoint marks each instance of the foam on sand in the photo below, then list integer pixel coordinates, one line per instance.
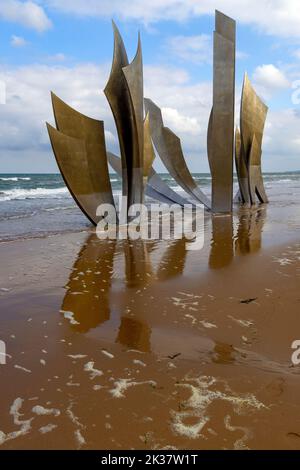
(239, 443)
(89, 367)
(122, 385)
(45, 429)
(201, 398)
(41, 411)
(107, 354)
(70, 316)
(24, 425)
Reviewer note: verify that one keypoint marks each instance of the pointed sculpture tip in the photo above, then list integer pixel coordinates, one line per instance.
(226, 17)
(115, 29)
(139, 46)
(54, 96)
(220, 13)
(49, 127)
(147, 117)
(246, 78)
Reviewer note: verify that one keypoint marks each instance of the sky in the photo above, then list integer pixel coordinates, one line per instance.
(66, 46)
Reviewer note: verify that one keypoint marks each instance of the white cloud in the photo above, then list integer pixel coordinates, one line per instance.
(17, 41)
(180, 123)
(241, 55)
(23, 132)
(281, 148)
(196, 49)
(296, 53)
(26, 13)
(269, 79)
(59, 57)
(24, 142)
(185, 109)
(278, 17)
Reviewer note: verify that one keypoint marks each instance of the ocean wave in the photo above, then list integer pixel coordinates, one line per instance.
(19, 216)
(37, 193)
(286, 180)
(60, 208)
(15, 178)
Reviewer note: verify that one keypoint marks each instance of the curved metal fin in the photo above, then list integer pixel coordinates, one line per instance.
(149, 154)
(253, 118)
(70, 154)
(134, 78)
(241, 170)
(209, 139)
(91, 131)
(123, 91)
(117, 95)
(256, 182)
(169, 148)
(156, 188)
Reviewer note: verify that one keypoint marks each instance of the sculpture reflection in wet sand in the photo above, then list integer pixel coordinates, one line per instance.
(78, 141)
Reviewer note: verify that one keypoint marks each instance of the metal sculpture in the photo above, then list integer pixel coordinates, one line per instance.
(155, 188)
(124, 92)
(78, 141)
(149, 153)
(241, 170)
(78, 168)
(79, 147)
(168, 146)
(221, 128)
(248, 146)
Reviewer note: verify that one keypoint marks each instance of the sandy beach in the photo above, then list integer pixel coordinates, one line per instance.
(145, 345)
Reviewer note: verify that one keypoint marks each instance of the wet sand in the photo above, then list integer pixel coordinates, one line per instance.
(146, 345)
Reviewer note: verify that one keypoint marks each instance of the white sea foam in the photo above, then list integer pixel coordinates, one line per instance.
(122, 385)
(75, 420)
(16, 366)
(77, 356)
(89, 367)
(24, 425)
(15, 178)
(79, 438)
(70, 316)
(202, 396)
(41, 411)
(107, 354)
(239, 443)
(35, 193)
(48, 428)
